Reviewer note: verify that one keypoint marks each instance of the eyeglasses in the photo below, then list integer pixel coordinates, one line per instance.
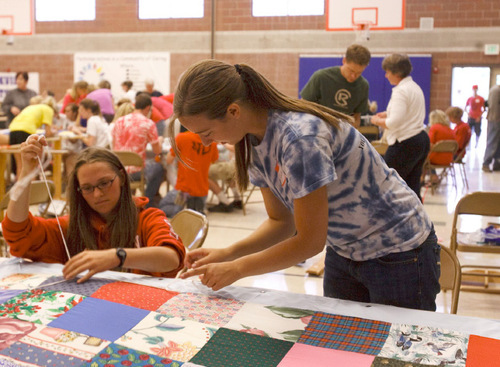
(102, 186)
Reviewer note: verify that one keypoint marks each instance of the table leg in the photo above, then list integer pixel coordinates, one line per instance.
(57, 169)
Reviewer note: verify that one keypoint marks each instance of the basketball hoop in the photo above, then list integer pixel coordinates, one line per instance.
(362, 31)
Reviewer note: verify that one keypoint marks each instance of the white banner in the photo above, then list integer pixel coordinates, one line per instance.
(116, 67)
(8, 82)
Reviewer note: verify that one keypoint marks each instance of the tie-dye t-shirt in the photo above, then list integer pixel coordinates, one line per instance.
(371, 209)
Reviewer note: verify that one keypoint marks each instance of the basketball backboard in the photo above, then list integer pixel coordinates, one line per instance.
(376, 14)
(16, 17)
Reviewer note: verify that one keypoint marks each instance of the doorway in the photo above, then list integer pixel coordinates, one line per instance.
(462, 80)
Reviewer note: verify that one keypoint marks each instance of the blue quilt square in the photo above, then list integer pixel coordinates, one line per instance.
(100, 318)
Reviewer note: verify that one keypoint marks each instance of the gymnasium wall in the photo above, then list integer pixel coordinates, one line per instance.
(273, 45)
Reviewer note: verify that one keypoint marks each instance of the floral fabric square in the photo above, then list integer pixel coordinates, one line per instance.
(202, 308)
(102, 319)
(483, 351)
(12, 330)
(167, 336)
(426, 345)
(115, 355)
(6, 294)
(301, 355)
(39, 357)
(352, 334)
(233, 348)
(39, 306)
(58, 283)
(388, 362)
(23, 281)
(276, 322)
(67, 342)
(135, 295)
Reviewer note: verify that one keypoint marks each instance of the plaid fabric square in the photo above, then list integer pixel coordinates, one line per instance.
(135, 295)
(351, 334)
(234, 348)
(71, 286)
(202, 308)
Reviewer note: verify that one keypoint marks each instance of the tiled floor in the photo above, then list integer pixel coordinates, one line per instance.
(228, 228)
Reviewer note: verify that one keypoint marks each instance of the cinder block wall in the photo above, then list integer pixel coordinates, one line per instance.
(270, 44)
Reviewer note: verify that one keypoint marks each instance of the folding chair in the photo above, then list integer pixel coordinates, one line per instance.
(443, 146)
(486, 205)
(451, 276)
(38, 195)
(380, 147)
(371, 132)
(192, 228)
(459, 160)
(132, 159)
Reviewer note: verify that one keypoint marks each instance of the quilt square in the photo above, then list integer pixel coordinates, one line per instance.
(57, 283)
(12, 330)
(135, 295)
(39, 306)
(388, 362)
(483, 351)
(102, 319)
(69, 343)
(117, 355)
(284, 323)
(39, 357)
(23, 281)
(202, 308)
(426, 345)
(351, 334)
(167, 336)
(307, 355)
(233, 348)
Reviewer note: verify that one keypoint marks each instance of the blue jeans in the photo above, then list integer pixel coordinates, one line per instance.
(154, 174)
(170, 208)
(407, 279)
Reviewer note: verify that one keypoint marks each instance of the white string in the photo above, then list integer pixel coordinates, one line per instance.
(53, 207)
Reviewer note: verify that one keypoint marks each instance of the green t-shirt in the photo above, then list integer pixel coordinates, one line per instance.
(329, 88)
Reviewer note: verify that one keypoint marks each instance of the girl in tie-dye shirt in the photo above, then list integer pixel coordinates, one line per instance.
(322, 184)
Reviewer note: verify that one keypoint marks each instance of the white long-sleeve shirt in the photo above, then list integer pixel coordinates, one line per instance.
(405, 111)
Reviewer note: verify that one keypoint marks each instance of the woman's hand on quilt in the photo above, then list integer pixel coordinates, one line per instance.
(203, 256)
(216, 276)
(93, 261)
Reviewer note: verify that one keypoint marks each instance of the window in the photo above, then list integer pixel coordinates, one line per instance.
(64, 10)
(163, 9)
(268, 8)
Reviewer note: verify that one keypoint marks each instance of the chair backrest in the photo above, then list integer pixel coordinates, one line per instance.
(38, 195)
(451, 275)
(192, 228)
(371, 132)
(477, 203)
(445, 146)
(380, 147)
(132, 159)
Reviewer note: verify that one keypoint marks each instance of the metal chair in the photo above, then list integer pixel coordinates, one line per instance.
(451, 276)
(38, 195)
(459, 160)
(192, 228)
(443, 146)
(132, 159)
(380, 147)
(487, 205)
(371, 132)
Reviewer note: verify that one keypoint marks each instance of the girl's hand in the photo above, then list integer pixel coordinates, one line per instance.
(30, 149)
(203, 256)
(215, 276)
(94, 262)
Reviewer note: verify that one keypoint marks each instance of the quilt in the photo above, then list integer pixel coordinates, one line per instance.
(46, 321)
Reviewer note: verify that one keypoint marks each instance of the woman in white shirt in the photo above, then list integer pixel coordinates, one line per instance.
(404, 122)
(97, 127)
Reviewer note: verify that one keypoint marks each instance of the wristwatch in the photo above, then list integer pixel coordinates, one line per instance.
(122, 255)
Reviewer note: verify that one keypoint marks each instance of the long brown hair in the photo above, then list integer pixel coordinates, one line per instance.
(210, 86)
(122, 228)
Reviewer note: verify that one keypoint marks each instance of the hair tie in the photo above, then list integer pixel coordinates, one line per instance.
(238, 68)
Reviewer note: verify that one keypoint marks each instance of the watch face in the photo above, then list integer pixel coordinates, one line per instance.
(122, 255)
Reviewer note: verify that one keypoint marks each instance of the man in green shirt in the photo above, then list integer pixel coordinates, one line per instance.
(342, 88)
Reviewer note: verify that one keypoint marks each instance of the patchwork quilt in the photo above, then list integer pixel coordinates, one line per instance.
(47, 321)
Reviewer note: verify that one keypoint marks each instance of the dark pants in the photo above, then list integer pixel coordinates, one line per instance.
(17, 137)
(408, 157)
(475, 126)
(407, 279)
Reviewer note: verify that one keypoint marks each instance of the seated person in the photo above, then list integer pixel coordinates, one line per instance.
(462, 130)
(107, 228)
(191, 188)
(440, 130)
(97, 127)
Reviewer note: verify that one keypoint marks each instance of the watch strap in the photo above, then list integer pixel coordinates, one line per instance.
(122, 255)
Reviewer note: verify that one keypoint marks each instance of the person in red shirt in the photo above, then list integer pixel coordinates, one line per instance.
(76, 94)
(191, 188)
(440, 130)
(475, 108)
(462, 130)
(107, 227)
